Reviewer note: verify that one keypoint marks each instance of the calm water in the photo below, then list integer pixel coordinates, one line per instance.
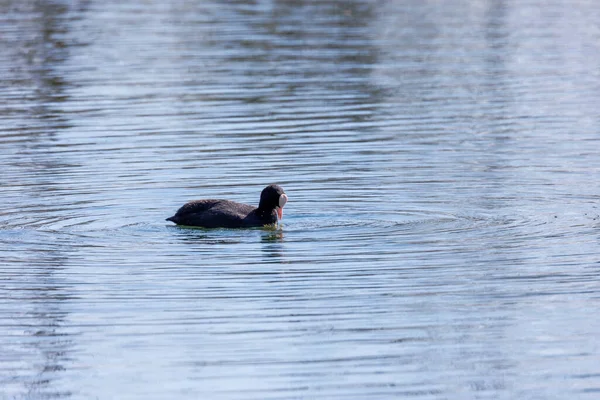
(442, 161)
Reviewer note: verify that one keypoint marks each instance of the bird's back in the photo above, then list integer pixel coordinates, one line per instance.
(213, 213)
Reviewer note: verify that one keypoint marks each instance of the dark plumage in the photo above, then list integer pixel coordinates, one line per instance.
(229, 214)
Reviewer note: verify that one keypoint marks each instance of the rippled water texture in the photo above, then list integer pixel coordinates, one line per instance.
(441, 240)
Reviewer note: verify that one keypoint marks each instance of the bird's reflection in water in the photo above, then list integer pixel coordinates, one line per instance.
(198, 235)
(272, 241)
(268, 235)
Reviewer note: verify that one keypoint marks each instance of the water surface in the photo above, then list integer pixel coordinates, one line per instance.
(441, 237)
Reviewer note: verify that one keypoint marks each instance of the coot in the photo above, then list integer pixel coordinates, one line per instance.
(229, 214)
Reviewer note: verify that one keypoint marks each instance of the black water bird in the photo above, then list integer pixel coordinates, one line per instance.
(212, 213)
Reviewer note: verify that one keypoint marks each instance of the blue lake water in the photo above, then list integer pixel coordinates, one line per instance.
(441, 239)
